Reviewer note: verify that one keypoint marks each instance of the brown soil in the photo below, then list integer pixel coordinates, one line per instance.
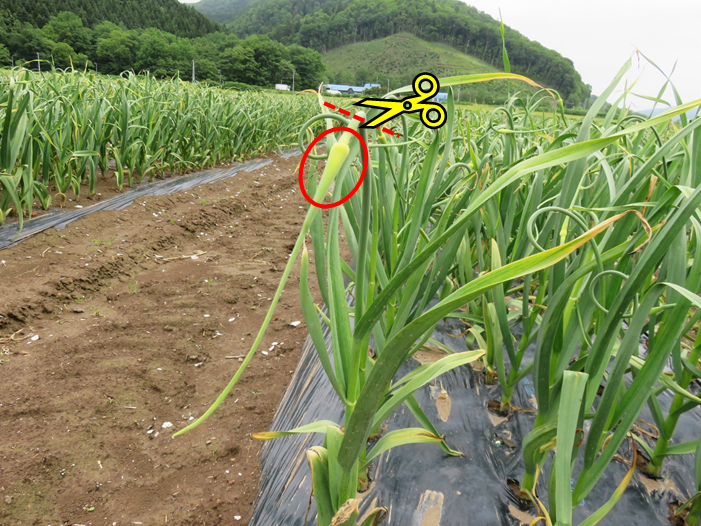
(674, 517)
(105, 187)
(132, 336)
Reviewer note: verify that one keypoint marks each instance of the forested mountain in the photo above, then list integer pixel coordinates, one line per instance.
(222, 11)
(167, 15)
(77, 39)
(328, 24)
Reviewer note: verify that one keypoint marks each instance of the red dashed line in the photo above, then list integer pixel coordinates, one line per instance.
(358, 118)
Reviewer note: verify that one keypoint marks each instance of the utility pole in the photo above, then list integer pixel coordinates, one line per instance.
(459, 92)
(13, 60)
(387, 85)
(293, 81)
(220, 82)
(95, 67)
(38, 63)
(193, 70)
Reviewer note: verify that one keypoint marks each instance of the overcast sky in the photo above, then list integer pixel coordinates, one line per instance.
(600, 35)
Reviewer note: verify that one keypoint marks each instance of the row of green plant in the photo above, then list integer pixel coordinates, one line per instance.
(59, 130)
(585, 233)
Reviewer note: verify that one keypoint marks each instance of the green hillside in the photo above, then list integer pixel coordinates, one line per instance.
(401, 57)
(325, 25)
(167, 15)
(222, 11)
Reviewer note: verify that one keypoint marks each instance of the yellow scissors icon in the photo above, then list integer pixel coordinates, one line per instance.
(432, 115)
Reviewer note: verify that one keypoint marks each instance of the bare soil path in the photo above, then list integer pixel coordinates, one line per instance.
(141, 316)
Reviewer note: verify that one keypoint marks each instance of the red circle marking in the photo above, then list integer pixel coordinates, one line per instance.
(362, 173)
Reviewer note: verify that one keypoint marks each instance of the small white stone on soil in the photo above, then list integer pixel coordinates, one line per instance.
(167, 425)
(295, 323)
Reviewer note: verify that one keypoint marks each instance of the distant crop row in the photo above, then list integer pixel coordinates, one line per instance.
(59, 132)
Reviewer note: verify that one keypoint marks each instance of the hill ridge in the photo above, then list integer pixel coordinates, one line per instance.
(325, 25)
(400, 57)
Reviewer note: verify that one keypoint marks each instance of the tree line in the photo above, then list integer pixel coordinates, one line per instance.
(168, 15)
(219, 56)
(328, 24)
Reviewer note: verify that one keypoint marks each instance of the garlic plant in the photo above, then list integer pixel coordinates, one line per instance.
(584, 232)
(59, 128)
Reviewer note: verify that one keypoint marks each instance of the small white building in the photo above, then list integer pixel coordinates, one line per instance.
(282, 87)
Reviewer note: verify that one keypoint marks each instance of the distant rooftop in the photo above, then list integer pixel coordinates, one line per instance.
(345, 88)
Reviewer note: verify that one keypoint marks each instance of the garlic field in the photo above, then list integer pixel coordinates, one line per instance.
(567, 249)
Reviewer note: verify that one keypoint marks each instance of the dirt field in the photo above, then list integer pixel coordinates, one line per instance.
(125, 338)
